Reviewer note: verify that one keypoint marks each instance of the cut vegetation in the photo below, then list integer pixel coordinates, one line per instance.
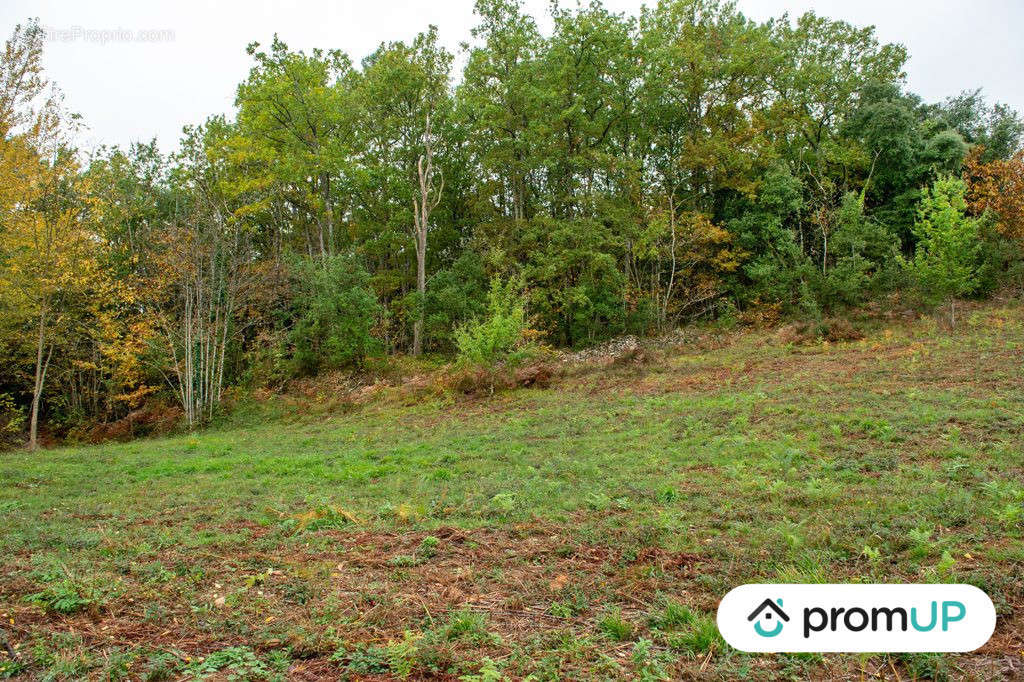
(585, 530)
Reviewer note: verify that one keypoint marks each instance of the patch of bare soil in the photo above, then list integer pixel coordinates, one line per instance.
(376, 586)
(369, 588)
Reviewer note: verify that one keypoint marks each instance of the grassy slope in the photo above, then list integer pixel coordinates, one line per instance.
(584, 530)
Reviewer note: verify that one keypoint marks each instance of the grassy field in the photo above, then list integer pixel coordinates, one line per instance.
(586, 530)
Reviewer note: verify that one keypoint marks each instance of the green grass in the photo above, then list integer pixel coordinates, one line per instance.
(584, 530)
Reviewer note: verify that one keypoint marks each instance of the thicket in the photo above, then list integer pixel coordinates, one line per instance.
(627, 173)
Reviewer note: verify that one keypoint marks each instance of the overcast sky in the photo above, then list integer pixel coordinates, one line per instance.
(136, 86)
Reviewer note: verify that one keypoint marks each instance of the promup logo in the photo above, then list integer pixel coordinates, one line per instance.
(833, 618)
(767, 611)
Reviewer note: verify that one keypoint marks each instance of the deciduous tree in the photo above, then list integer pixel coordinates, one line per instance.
(946, 261)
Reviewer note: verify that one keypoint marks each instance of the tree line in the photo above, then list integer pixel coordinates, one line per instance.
(627, 173)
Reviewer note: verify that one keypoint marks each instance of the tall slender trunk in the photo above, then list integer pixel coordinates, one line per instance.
(40, 380)
(422, 207)
(187, 354)
(421, 286)
(672, 272)
(824, 250)
(325, 189)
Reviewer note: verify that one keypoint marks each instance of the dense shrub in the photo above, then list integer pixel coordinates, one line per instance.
(496, 337)
(454, 296)
(576, 287)
(865, 252)
(947, 261)
(334, 309)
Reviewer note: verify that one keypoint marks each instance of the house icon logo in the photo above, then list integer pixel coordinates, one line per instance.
(770, 618)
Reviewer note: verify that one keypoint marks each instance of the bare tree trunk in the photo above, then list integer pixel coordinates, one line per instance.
(672, 275)
(824, 249)
(325, 188)
(421, 287)
(40, 379)
(188, 386)
(427, 202)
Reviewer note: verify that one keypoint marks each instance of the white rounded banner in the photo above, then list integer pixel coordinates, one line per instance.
(856, 618)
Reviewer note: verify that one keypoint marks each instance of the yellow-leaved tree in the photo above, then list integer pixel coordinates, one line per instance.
(50, 276)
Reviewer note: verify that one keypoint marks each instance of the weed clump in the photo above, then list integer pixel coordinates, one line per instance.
(615, 626)
(240, 662)
(63, 593)
(428, 651)
(831, 329)
(469, 626)
(673, 616)
(701, 636)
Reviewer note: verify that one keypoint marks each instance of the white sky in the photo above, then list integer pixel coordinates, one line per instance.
(129, 91)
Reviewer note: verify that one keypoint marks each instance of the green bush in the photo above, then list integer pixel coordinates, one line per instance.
(926, 666)
(498, 337)
(454, 296)
(335, 309)
(675, 615)
(62, 596)
(576, 286)
(947, 262)
(864, 250)
(700, 637)
(363, 659)
(62, 592)
(776, 270)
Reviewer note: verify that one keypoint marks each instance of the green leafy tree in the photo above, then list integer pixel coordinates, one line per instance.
(499, 94)
(51, 284)
(816, 79)
(705, 71)
(296, 131)
(999, 129)
(575, 285)
(404, 112)
(202, 275)
(335, 312)
(864, 251)
(946, 262)
(903, 148)
(777, 270)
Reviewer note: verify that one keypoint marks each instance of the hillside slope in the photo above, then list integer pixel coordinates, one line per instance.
(587, 529)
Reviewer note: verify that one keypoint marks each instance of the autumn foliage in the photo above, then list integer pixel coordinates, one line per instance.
(997, 187)
(616, 174)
